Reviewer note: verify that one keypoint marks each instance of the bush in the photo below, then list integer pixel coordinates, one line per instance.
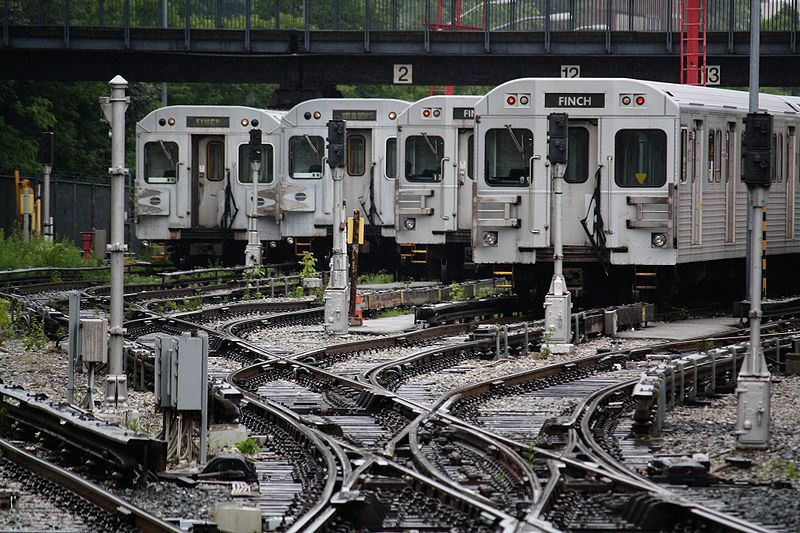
(5, 318)
(248, 446)
(15, 253)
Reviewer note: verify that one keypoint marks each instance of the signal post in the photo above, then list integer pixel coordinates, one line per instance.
(337, 294)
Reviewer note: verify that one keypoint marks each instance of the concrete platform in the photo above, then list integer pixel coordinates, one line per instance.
(385, 326)
(684, 329)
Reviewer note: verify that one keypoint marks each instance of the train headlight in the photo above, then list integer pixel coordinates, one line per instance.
(145, 243)
(171, 122)
(490, 238)
(317, 115)
(273, 244)
(290, 240)
(392, 115)
(658, 240)
(410, 223)
(245, 122)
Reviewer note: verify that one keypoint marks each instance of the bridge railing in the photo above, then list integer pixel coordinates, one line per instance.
(393, 15)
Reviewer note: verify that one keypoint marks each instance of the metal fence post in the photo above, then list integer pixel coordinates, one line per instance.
(395, 15)
(187, 39)
(127, 30)
(66, 23)
(248, 6)
(277, 14)
(793, 40)
(670, 11)
(630, 15)
(336, 14)
(731, 24)
(427, 26)
(306, 31)
(487, 19)
(366, 25)
(608, 26)
(547, 25)
(101, 9)
(218, 16)
(5, 22)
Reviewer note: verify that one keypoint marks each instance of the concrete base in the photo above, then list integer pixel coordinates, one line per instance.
(121, 417)
(222, 436)
(683, 329)
(559, 348)
(385, 326)
(235, 518)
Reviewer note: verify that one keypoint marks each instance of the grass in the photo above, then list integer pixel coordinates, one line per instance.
(458, 293)
(394, 311)
(376, 278)
(35, 339)
(15, 253)
(180, 306)
(248, 446)
(139, 279)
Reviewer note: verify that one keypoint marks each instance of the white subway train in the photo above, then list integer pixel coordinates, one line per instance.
(652, 184)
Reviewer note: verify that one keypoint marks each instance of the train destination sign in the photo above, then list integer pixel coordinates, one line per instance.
(463, 113)
(355, 114)
(574, 100)
(208, 122)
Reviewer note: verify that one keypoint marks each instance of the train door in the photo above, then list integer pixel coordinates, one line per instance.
(465, 175)
(729, 159)
(208, 179)
(696, 175)
(582, 184)
(791, 179)
(511, 207)
(359, 171)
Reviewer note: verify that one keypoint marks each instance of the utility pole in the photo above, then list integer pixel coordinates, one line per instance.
(558, 302)
(337, 294)
(46, 159)
(753, 383)
(252, 252)
(114, 109)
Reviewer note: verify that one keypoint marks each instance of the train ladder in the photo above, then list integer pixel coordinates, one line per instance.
(416, 254)
(645, 281)
(302, 246)
(693, 42)
(503, 277)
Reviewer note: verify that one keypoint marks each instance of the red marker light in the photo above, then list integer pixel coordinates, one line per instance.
(640, 100)
(511, 100)
(426, 113)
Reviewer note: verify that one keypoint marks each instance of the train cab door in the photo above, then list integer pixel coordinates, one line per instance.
(511, 214)
(359, 172)
(465, 175)
(581, 183)
(208, 179)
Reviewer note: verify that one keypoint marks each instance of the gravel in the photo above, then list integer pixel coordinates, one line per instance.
(297, 339)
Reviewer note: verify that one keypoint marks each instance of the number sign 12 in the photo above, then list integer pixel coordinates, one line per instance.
(570, 71)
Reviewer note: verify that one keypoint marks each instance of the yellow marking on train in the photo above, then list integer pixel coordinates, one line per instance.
(640, 177)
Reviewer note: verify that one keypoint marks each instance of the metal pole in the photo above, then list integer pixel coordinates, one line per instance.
(337, 295)
(253, 249)
(47, 225)
(165, 25)
(753, 383)
(74, 342)
(116, 381)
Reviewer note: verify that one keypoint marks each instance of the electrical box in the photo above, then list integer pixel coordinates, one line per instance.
(180, 368)
(757, 150)
(94, 340)
(557, 137)
(337, 133)
(46, 148)
(255, 145)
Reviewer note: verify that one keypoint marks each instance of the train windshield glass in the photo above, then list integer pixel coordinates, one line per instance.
(266, 172)
(305, 157)
(640, 158)
(391, 157)
(508, 155)
(578, 155)
(424, 155)
(356, 155)
(160, 162)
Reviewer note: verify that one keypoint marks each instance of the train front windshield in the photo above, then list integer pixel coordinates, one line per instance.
(508, 154)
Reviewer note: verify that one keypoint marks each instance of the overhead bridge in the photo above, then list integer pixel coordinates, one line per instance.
(424, 42)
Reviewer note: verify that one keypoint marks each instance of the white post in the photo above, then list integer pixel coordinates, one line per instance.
(753, 382)
(117, 381)
(252, 253)
(337, 294)
(558, 302)
(47, 222)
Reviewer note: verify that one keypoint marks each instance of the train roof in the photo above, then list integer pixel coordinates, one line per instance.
(448, 105)
(364, 111)
(681, 96)
(269, 119)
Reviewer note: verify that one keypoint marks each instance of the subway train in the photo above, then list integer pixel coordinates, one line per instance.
(652, 196)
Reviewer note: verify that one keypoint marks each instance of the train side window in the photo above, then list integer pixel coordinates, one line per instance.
(712, 155)
(305, 156)
(640, 158)
(684, 158)
(356, 155)
(693, 153)
(720, 156)
(160, 162)
(730, 147)
(773, 158)
(215, 160)
(424, 155)
(508, 155)
(779, 159)
(471, 157)
(577, 155)
(391, 158)
(266, 174)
